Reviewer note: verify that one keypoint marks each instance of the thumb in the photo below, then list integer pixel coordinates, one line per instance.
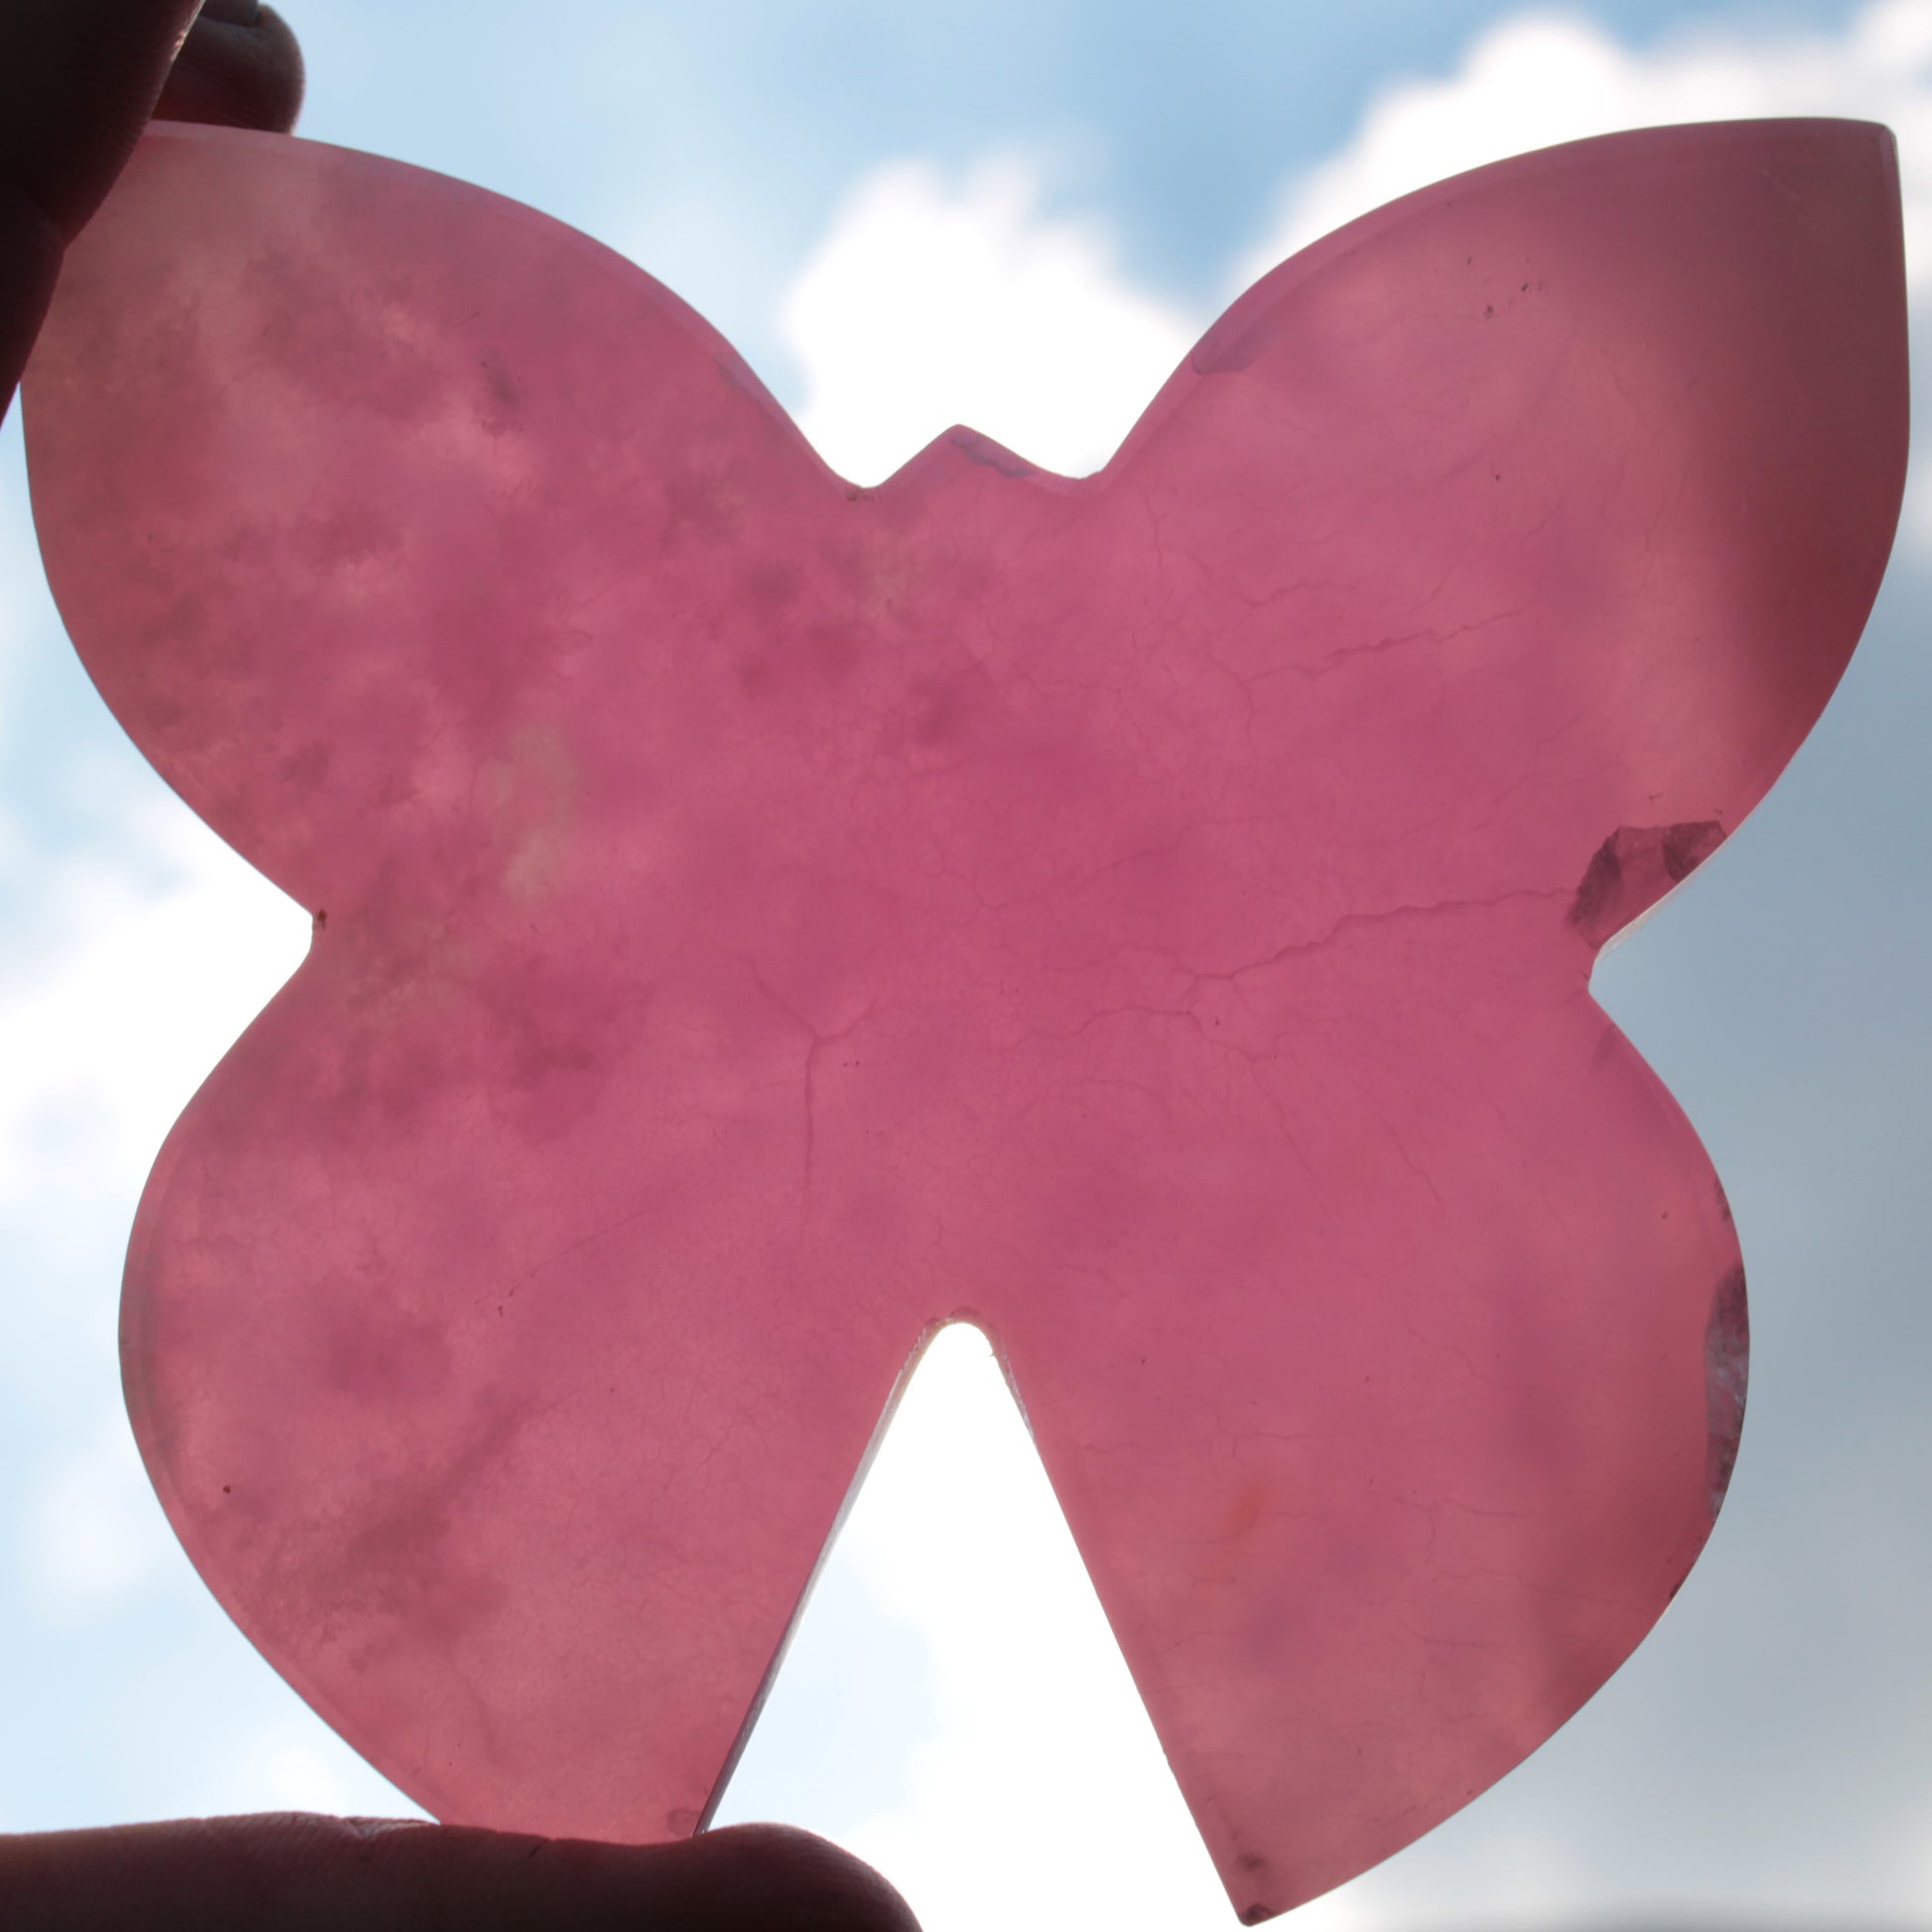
(240, 67)
(77, 81)
(289, 1872)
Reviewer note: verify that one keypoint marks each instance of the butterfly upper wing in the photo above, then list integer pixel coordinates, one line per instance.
(1556, 495)
(339, 468)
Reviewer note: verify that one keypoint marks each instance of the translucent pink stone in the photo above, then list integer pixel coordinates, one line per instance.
(758, 920)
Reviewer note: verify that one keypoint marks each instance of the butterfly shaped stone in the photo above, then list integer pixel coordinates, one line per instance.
(760, 919)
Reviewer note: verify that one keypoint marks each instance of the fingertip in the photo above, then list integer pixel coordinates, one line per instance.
(780, 1876)
(283, 1871)
(236, 73)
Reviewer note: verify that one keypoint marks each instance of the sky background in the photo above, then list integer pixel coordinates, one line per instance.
(1020, 215)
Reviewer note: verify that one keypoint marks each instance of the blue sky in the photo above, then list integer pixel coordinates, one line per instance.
(1018, 215)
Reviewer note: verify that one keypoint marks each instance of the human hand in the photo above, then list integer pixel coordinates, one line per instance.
(79, 81)
(286, 1873)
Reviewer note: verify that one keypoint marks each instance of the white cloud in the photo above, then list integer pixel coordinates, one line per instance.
(933, 302)
(1043, 1749)
(92, 1535)
(263, 1751)
(301, 1766)
(143, 961)
(127, 968)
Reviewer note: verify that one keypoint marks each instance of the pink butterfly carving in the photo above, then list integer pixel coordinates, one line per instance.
(759, 920)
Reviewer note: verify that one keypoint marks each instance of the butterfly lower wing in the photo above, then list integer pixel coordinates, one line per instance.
(507, 1416)
(1373, 1364)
